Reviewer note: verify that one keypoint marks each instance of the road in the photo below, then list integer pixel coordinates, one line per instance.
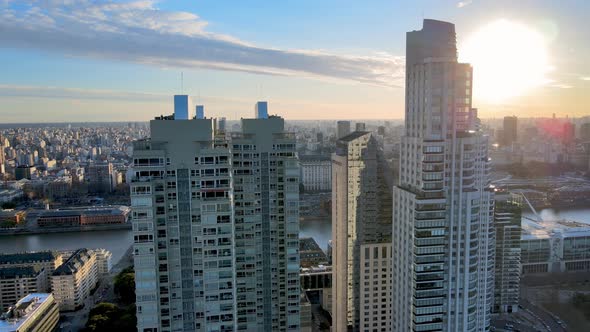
(544, 315)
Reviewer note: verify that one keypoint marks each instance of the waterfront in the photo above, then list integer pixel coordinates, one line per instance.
(115, 241)
(118, 241)
(321, 228)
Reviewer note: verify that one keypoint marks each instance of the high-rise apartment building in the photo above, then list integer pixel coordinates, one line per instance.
(216, 227)
(100, 177)
(342, 129)
(510, 130)
(266, 186)
(359, 223)
(443, 246)
(507, 218)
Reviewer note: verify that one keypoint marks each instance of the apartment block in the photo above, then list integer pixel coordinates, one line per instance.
(443, 245)
(216, 225)
(72, 281)
(41, 260)
(17, 282)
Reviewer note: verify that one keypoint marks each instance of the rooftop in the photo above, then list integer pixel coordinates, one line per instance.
(354, 135)
(72, 264)
(308, 244)
(86, 211)
(532, 230)
(314, 157)
(24, 309)
(17, 272)
(27, 257)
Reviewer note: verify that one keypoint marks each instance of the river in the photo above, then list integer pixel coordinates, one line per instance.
(117, 241)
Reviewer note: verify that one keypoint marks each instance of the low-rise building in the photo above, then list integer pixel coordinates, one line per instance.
(74, 279)
(36, 312)
(12, 217)
(83, 217)
(556, 246)
(16, 282)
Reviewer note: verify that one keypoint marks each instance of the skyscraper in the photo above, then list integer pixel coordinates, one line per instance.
(342, 129)
(507, 219)
(216, 227)
(361, 237)
(266, 186)
(510, 132)
(442, 247)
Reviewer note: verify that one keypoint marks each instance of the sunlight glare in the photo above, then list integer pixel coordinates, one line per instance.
(508, 59)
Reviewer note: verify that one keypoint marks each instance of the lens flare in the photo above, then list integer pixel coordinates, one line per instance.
(508, 59)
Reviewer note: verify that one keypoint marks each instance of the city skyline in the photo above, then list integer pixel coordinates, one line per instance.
(133, 54)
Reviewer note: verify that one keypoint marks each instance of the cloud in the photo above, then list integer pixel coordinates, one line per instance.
(465, 3)
(75, 93)
(137, 31)
(585, 78)
(30, 91)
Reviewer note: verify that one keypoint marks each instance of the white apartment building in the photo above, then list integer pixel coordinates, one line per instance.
(266, 187)
(443, 245)
(72, 282)
(103, 261)
(316, 173)
(216, 227)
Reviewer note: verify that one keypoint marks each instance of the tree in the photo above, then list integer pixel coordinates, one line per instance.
(125, 286)
(107, 317)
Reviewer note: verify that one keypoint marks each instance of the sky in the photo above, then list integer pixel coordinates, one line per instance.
(95, 60)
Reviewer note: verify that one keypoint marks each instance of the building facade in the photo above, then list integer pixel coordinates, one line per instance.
(507, 219)
(17, 282)
(342, 129)
(357, 219)
(41, 260)
(216, 227)
(555, 250)
(72, 281)
(443, 248)
(316, 173)
(375, 292)
(266, 186)
(100, 177)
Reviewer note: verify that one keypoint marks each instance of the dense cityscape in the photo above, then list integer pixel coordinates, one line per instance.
(444, 220)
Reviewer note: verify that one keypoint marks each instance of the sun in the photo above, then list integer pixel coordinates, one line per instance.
(508, 59)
